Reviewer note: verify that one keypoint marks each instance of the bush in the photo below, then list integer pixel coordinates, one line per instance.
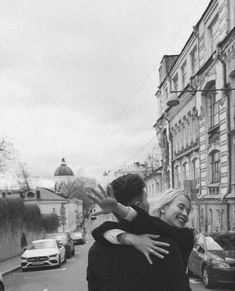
(32, 217)
(11, 211)
(50, 222)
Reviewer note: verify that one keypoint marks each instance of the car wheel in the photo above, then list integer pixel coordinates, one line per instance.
(59, 264)
(65, 258)
(1, 287)
(206, 278)
(69, 253)
(73, 252)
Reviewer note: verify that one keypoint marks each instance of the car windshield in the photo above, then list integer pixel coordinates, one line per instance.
(41, 245)
(76, 234)
(58, 237)
(220, 242)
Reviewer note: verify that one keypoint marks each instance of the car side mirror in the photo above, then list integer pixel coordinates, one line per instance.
(200, 249)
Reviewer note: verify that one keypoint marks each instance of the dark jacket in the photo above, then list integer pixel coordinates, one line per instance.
(128, 269)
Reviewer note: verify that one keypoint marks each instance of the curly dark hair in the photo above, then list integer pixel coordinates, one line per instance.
(127, 187)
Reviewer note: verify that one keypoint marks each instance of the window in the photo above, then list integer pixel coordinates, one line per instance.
(177, 177)
(214, 109)
(175, 83)
(232, 107)
(186, 171)
(233, 161)
(210, 226)
(193, 60)
(184, 75)
(213, 32)
(196, 171)
(215, 167)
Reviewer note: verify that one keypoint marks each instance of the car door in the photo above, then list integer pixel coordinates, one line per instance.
(197, 255)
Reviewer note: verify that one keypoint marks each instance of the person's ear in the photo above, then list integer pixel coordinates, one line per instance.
(162, 210)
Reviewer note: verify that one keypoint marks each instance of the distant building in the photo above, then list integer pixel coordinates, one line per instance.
(136, 168)
(68, 210)
(12, 194)
(63, 175)
(154, 184)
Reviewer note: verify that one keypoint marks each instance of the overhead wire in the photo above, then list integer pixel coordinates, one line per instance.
(146, 79)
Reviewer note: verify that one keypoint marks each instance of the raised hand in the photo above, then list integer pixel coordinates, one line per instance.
(105, 200)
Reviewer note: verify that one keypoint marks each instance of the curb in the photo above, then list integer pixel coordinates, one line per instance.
(10, 270)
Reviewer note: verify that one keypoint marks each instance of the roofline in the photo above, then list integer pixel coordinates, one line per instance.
(188, 40)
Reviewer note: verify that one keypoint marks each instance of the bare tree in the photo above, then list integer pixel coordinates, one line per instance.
(24, 178)
(78, 189)
(153, 160)
(7, 153)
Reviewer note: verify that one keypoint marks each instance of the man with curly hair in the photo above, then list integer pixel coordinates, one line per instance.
(107, 258)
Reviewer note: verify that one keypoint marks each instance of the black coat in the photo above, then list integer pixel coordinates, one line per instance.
(123, 268)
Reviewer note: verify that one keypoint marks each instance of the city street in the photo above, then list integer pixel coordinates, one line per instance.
(72, 275)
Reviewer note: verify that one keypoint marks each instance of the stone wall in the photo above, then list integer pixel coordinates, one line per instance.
(11, 236)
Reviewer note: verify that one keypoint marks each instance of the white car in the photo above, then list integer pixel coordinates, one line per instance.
(2, 288)
(43, 253)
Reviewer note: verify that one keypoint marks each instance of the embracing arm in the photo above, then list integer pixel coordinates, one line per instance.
(119, 233)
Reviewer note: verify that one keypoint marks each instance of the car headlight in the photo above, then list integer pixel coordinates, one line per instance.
(52, 256)
(23, 258)
(220, 264)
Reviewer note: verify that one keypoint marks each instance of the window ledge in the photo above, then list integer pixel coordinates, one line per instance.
(213, 185)
(212, 128)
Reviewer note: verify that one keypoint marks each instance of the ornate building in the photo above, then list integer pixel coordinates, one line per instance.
(196, 130)
(63, 175)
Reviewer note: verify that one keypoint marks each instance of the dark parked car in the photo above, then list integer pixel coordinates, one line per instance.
(78, 237)
(213, 258)
(66, 240)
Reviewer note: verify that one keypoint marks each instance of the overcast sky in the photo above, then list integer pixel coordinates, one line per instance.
(78, 78)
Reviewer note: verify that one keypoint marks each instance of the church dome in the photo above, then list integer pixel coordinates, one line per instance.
(63, 170)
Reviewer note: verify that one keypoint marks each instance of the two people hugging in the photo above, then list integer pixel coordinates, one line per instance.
(139, 251)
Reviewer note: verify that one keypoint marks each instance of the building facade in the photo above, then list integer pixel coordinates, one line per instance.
(196, 130)
(68, 210)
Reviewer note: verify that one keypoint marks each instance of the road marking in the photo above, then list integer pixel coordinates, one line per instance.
(45, 289)
(63, 269)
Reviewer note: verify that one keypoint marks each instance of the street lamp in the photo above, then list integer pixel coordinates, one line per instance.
(173, 99)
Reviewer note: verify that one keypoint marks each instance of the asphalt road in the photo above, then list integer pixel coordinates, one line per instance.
(72, 275)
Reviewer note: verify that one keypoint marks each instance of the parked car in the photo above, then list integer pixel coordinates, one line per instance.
(213, 258)
(78, 237)
(2, 286)
(43, 253)
(66, 240)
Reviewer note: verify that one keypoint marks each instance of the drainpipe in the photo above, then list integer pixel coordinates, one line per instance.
(171, 147)
(226, 93)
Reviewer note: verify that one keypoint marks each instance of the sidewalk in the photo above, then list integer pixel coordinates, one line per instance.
(9, 265)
